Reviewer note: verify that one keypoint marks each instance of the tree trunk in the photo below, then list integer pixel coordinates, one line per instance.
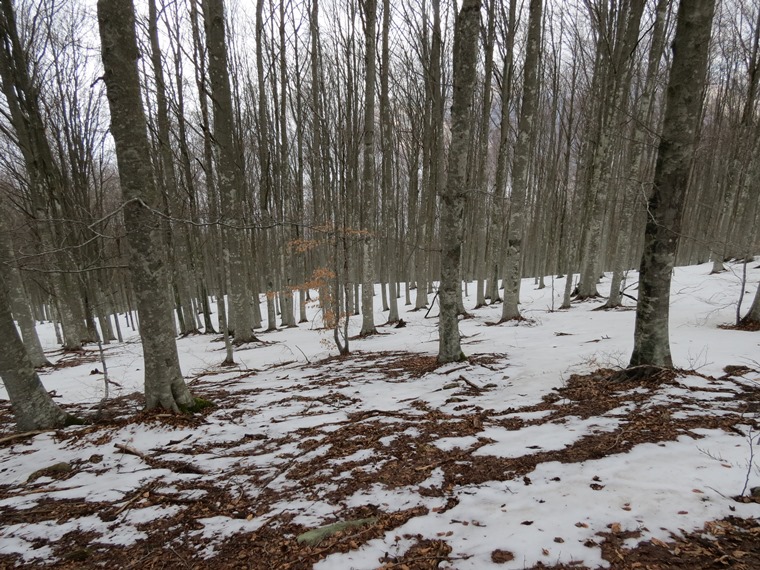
(466, 30)
(230, 170)
(521, 167)
(164, 385)
(502, 160)
(369, 195)
(45, 179)
(19, 303)
(32, 406)
(674, 158)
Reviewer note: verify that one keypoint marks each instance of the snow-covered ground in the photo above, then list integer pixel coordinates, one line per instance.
(498, 456)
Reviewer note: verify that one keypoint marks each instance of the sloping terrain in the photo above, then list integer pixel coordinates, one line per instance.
(531, 455)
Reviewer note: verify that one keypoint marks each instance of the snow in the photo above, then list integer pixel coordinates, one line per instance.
(280, 388)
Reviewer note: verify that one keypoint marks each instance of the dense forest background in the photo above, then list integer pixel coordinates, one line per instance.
(302, 147)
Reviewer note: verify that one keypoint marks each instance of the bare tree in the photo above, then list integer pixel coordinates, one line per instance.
(520, 170)
(32, 406)
(230, 168)
(369, 194)
(164, 385)
(674, 158)
(466, 38)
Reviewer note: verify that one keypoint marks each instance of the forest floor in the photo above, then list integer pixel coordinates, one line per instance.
(529, 455)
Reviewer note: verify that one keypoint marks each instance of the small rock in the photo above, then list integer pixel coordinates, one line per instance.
(51, 471)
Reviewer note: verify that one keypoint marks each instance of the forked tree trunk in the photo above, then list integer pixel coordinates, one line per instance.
(674, 157)
(164, 385)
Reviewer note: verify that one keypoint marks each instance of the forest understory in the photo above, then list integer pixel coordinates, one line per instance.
(407, 462)
(537, 455)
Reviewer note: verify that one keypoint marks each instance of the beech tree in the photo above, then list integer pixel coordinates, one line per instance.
(369, 195)
(230, 169)
(466, 32)
(675, 154)
(164, 384)
(32, 406)
(520, 170)
(44, 175)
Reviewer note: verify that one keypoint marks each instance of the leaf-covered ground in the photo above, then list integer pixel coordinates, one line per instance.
(533, 454)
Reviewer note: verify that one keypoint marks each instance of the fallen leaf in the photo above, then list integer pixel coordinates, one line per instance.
(581, 525)
(501, 556)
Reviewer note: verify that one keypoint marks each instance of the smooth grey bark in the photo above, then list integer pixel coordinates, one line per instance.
(480, 208)
(164, 385)
(753, 315)
(229, 170)
(498, 233)
(386, 147)
(466, 31)
(167, 177)
(432, 151)
(521, 165)
(674, 158)
(219, 249)
(369, 193)
(287, 194)
(32, 406)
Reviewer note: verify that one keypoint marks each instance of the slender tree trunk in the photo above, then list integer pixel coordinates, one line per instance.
(466, 31)
(521, 167)
(168, 180)
(616, 78)
(502, 160)
(369, 194)
(230, 171)
(637, 159)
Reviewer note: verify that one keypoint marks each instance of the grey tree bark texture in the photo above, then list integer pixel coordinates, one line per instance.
(164, 385)
(368, 173)
(229, 171)
(32, 406)
(521, 166)
(674, 158)
(466, 36)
